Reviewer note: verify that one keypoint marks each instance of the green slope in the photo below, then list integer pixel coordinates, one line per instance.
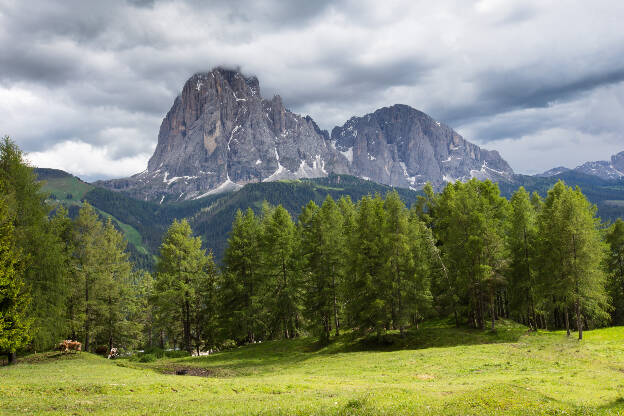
(211, 217)
(68, 190)
(436, 370)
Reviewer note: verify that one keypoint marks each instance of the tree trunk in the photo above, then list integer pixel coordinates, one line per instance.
(567, 321)
(336, 323)
(579, 323)
(87, 324)
(12, 357)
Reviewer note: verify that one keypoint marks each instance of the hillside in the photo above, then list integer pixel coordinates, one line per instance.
(436, 369)
(144, 222)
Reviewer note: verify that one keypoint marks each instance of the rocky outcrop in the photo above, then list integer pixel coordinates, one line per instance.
(605, 169)
(404, 147)
(221, 134)
(553, 172)
(608, 170)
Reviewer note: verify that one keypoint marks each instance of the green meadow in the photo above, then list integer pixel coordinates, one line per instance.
(436, 369)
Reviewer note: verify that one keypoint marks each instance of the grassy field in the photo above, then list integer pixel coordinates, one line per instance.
(434, 370)
(67, 189)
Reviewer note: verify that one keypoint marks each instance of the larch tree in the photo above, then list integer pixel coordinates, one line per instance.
(521, 241)
(325, 248)
(182, 278)
(83, 304)
(14, 298)
(281, 272)
(44, 251)
(241, 280)
(570, 232)
(615, 270)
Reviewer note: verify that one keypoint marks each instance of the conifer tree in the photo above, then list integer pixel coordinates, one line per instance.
(325, 249)
(521, 241)
(469, 221)
(281, 272)
(116, 292)
(44, 250)
(573, 252)
(14, 298)
(182, 276)
(368, 306)
(241, 281)
(615, 270)
(83, 306)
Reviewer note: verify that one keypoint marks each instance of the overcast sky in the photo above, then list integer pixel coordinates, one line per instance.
(84, 85)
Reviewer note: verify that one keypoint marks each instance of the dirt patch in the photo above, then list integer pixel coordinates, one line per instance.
(192, 371)
(425, 377)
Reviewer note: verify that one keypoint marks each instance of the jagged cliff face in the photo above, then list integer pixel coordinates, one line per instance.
(403, 147)
(221, 134)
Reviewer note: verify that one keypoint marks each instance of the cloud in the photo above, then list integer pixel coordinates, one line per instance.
(513, 76)
(87, 161)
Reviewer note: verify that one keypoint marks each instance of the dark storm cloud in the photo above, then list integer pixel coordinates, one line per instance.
(95, 78)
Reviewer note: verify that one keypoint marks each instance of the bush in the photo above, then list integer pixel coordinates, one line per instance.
(228, 344)
(176, 354)
(147, 358)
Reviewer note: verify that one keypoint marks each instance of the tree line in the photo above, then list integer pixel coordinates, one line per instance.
(368, 267)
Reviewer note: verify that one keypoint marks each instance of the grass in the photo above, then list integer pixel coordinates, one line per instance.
(434, 370)
(70, 190)
(63, 187)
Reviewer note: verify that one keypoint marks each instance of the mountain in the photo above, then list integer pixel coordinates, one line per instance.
(553, 172)
(607, 170)
(220, 134)
(404, 147)
(613, 169)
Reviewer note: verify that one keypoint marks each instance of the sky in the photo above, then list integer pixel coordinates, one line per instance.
(84, 85)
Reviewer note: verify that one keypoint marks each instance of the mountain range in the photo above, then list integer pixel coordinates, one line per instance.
(613, 169)
(220, 134)
(222, 147)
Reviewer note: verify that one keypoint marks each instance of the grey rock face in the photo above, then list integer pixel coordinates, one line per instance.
(553, 172)
(221, 134)
(403, 147)
(617, 161)
(604, 169)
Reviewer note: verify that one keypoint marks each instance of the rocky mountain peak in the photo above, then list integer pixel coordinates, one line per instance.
(401, 146)
(221, 134)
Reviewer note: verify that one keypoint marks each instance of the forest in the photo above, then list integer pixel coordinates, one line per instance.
(367, 267)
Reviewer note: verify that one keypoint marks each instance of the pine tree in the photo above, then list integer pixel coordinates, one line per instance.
(615, 270)
(44, 249)
(325, 248)
(241, 282)
(14, 299)
(181, 279)
(281, 272)
(521, 241)
(368, 306)
(469, 222)
(116, 292)
(572, 254)
(88, 270)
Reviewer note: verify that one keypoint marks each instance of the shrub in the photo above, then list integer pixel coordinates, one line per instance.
(147, 358)
(176, 354)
